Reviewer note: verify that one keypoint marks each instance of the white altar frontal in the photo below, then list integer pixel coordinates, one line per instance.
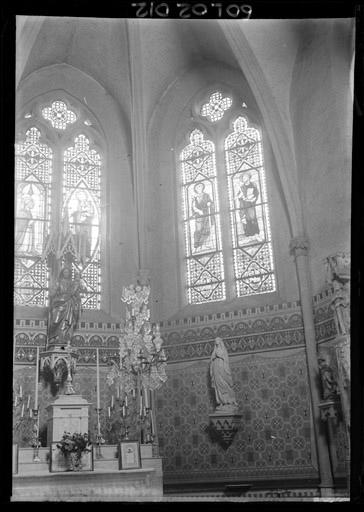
(34, 481)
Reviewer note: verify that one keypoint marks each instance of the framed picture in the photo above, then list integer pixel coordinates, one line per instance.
(58, 462)
(15, 458)
(129, 455)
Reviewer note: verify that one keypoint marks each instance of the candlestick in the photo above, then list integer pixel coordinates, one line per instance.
(36, 380)
(152, 423)
(98, 379)
(146, 397)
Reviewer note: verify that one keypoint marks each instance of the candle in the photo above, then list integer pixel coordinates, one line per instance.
(108, 411)
(30, 413)
(126, 400)
(118, 392)
(146, 397)
(28, 403)
(133, 392)
(36, 380)
(21, 392)
(98, 379)
(112, 401)
(16, 400)
(152, 425)
(22, 410)
(150, 399)
(141, 405)
(124, 411)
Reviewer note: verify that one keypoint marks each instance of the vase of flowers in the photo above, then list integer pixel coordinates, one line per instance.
(72, 447)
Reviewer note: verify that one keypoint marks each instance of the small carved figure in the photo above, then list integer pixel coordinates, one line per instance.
(329, 384)
(64, 308)
(221, 378)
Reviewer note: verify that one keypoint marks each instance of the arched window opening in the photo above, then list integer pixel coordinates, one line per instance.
(249, 211)
(81, 207)
(205, 268)
(240, 183)
(57, 188)
(33, 176)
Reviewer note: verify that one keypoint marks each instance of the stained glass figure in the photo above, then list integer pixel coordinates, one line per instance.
(216, 106)
(59, 115)
(81, 208)
(205, 272)
(249, 211)
(33, 174)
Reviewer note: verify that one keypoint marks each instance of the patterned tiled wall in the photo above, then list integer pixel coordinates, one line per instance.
(275, 435)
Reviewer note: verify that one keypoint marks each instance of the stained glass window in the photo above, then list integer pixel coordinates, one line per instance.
(200, 202)
(249, 212)
(81, 207)
(33, 174)
(214, 109)
(59, 115)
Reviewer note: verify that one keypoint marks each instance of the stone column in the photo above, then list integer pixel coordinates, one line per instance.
(299, 247)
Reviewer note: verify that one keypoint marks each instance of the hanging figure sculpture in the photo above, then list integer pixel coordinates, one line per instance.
(221, 379)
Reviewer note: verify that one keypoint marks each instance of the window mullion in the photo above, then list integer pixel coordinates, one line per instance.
(225, 218)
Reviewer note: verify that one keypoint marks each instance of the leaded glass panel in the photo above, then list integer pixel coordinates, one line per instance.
(33, 173)
(249, 211)
(81, 208)
(215, 108)
(59, 115)
(205, 271)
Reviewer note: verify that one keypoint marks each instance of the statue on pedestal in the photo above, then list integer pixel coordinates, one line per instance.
(338, 275)
(221, 379)
(328, 381)
(64, 307)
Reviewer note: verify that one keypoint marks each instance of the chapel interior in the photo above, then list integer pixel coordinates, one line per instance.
(193, 176)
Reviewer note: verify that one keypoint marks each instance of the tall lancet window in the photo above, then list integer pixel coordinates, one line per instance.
(81, 208)
(58, 200)
(33, 179)
(249, 212)
(204, 258)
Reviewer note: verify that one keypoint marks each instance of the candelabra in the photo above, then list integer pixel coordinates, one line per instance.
(142, 364)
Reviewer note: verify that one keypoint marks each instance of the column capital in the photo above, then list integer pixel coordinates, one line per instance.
(299, 246)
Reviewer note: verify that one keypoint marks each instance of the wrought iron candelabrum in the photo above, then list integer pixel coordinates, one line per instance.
(141, 368)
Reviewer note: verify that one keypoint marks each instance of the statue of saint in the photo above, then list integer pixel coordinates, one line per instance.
(64, 308)
(329, 384)
(221, 378)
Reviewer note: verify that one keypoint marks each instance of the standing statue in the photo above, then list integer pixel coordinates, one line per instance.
(64, 308)
(329, 384)
(338, 276)
(221, 378)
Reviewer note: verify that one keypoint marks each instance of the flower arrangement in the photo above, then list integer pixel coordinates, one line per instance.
(74, 443)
